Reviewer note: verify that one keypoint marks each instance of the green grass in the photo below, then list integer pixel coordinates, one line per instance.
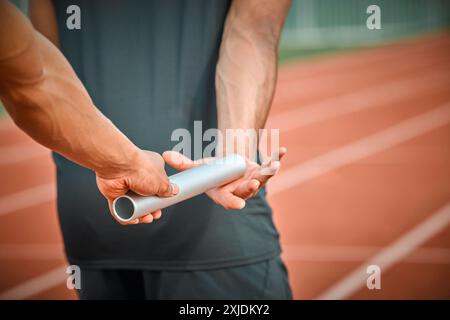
(2, 110)
(290, 55)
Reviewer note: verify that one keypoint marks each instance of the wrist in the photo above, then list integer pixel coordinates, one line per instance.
(243, 142)
(122, 164)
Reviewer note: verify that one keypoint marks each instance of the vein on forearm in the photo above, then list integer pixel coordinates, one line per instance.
(245, 77)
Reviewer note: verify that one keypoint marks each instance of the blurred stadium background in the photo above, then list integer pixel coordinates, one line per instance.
(365, 115)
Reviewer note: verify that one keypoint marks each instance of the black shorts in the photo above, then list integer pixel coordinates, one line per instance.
(263, 280)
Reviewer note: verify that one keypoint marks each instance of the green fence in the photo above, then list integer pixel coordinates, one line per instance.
(21, 4)
(317, 24)
(342, 23)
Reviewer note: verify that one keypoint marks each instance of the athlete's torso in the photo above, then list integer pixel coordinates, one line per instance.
(149, 66)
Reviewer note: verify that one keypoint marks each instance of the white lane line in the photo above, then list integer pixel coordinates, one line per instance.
(347, 68)
(36, 285)
(288, 92)
(21, 152)
(389, 256)
(360, 149)
(35, 251)
(27, 198)
(321, 253)
(372, 97)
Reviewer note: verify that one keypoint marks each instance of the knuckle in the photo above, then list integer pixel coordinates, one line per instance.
(151, 188)
(164, 187)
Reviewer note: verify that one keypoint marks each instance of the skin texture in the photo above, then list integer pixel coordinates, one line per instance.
(245, 84)
(234, 194)
(45, 98)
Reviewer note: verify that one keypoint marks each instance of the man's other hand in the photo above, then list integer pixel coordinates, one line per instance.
(233, 194)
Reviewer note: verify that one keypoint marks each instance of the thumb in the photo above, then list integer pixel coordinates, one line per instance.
(167, 189)
(178, 161)
(158, 185)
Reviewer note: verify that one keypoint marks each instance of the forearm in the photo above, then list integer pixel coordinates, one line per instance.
(247, 71)
(45, 98)
(245, 78)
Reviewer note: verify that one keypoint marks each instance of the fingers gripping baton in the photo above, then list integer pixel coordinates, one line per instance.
(191, 182)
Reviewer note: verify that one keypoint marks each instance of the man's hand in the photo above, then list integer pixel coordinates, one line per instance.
(145, 176)
(246, 75)
(233, 194)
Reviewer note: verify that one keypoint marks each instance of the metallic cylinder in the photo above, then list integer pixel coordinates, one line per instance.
(191, 182)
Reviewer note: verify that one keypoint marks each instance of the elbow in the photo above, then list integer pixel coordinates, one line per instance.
(263, 33)
(14, 107)
(263, 27)
(267, 28)
(262, 20)
(14, 111)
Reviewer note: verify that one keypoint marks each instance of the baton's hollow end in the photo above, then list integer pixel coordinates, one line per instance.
(124, 208)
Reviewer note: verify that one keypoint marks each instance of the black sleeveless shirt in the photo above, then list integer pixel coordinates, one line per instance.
(149, 66)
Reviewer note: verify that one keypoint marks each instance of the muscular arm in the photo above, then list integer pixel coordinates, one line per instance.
(245, 82)
(247, 67)
(45, 98)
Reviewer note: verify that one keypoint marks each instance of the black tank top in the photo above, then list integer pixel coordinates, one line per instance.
(149, 66)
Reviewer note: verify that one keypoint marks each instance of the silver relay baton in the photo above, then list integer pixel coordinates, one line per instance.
(191, 182)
